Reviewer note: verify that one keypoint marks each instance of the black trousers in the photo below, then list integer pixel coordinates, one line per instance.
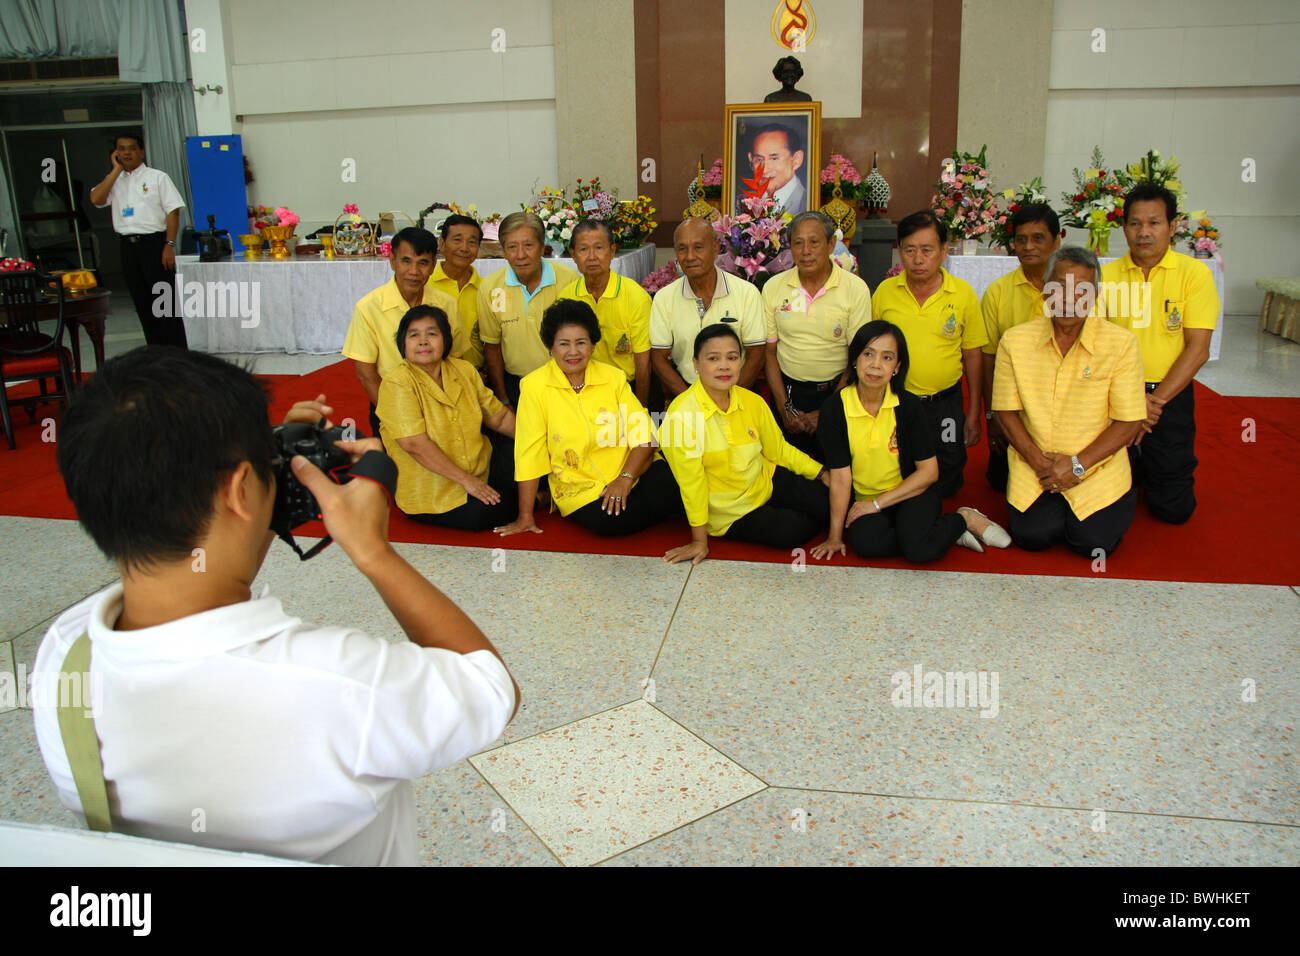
(947, 420)
(1164, 463)
(654, 498)
(797, 510)
(143, 269)
(374, 423)
(807, 397)
(512, 390)
(914, 528)
(1049, 521)
(999, 469)
(474, 515)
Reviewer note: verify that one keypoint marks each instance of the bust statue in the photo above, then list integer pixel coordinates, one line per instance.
(788, 71)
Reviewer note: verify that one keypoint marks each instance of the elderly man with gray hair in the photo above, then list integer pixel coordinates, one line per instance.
(1068, 393)
(812, 312)
(511, 302)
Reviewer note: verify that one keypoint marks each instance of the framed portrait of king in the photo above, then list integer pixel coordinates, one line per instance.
(772, 150)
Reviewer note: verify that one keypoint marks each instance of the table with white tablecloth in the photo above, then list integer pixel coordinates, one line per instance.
(981, 271)
(302, 304)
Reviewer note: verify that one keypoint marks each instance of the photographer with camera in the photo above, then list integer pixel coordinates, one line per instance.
(220, 719)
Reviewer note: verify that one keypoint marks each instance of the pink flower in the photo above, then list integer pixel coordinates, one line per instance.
(351, 208)
(385, 248)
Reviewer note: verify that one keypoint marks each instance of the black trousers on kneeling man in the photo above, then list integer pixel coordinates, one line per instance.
(652, 499)
(1049, 520)
(797, 510)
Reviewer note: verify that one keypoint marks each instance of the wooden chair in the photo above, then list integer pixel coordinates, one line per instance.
(26, 352)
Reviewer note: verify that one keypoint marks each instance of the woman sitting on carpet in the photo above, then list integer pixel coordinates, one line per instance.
(739, 477)
(881, 458)
(431, 411)
(582, 426)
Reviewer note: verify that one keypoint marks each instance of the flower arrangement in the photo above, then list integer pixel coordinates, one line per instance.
(963, 198)
(712, 180)
(633, 221)
(12, 264)
(590, 201)
(895, 269)
(753, 244)
(1096, 203)
(1022, 195)
(471, 210)
(1153, 168)
(664, 275)
(850, 178)
(557, 215)
(1204, 240)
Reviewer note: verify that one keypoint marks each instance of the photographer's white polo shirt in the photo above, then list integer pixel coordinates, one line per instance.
(243, 728)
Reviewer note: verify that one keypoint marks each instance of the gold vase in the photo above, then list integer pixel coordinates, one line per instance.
(327, 246)
(278, 236)
(252, 243)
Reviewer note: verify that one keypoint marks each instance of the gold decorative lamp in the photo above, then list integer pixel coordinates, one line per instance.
(841, 213)
(699, 207)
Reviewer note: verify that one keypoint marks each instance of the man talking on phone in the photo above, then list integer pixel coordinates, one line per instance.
(146, 215)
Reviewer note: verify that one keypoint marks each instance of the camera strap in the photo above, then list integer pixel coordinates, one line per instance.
(80, 742)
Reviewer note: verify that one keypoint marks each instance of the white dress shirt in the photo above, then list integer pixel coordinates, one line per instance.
(243, 728)
(148, 194)
(790, 198)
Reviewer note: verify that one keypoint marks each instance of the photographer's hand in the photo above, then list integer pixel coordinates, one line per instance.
(355, 514)
(310, 413)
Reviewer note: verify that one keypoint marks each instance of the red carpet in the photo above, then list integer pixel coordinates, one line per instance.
(1245, 529)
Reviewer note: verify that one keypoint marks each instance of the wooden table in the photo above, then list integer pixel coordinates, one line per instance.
(87, 312)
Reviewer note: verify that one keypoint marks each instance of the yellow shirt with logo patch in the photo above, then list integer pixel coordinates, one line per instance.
(873, 442)
(372, 335)
(936, 332)
(506, 319)
(467, 306)
(812, 332)
(624, 315)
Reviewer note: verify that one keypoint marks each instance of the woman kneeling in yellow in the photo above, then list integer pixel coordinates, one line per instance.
(431, 411)
(881, 457)
(581, 424)
(740, 478)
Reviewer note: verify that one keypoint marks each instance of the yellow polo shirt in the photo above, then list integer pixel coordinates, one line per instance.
(508, 316)
(580, 439)
(1066, 402)
(936, 332)
(1009, 301)
(1182, 296)
(451, 414)
(467, 305)
(873, 443)
(624, 315)
(812, 332)
(676, 319)
(372, 335)
(724, 461)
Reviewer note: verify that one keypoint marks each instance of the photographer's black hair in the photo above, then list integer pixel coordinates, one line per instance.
(569, 312)
(718, 330)
(922, 220)
(424, 312)
(872, 330)
(420, 241)
(457, 219)
(1035, 212)
(145, 444)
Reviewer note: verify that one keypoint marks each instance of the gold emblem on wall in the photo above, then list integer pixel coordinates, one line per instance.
(794, 24)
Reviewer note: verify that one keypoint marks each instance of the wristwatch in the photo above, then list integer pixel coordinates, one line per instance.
(1077, 468)
(171, 242)
(627, 475)
(988, 414)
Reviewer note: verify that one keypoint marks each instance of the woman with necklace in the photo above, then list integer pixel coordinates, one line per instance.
(432, 408)
(581, 425)
(882, 463)
(738, 475)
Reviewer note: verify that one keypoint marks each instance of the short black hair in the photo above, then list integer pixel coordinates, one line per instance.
(718, 330)
(873, 330)
(925, 219)
(458, 220)
(420, 241)
(146, 443)
(793, 138)
(569, 312)
(1035, 212)
(138, 137)
(589, 224)
(424, 312)
(1147, 191)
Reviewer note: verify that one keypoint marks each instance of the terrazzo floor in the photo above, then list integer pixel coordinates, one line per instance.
(740, 713)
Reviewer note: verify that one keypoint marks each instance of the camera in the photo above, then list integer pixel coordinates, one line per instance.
(294, 504)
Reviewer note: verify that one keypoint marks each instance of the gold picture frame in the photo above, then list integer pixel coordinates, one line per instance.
(744, 122)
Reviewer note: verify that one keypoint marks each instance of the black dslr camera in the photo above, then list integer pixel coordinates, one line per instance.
(294, 504)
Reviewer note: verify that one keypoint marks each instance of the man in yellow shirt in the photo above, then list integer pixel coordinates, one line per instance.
(812, 313)
(455, 275)
(1011, 300)
(941, 319)
(370, 341)
(511, 302)
(705, 295)
(1173, 319)
(621, 305)
(1068, 395)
